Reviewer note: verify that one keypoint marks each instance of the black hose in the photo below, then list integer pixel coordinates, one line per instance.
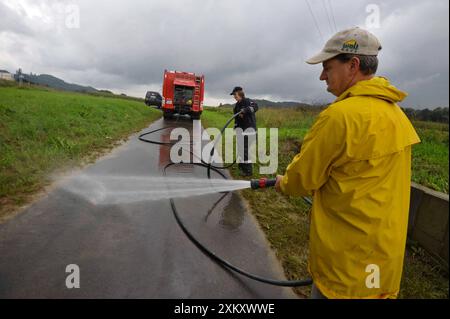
(191, 237)
(141, 138)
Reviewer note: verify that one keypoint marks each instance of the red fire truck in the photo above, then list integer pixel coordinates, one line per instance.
(183, 94)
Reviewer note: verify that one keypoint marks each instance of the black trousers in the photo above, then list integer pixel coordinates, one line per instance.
(244, 143)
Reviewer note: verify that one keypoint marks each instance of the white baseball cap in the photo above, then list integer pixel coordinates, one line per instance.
(354, 40)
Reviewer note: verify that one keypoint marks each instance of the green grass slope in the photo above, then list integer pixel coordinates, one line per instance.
(43, 130)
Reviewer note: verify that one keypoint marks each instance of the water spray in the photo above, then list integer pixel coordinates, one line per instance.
(116, 189)
(253, 184)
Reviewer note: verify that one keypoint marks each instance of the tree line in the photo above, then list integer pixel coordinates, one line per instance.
(439, 114)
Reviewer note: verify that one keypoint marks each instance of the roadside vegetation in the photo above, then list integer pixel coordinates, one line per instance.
(430, 158)
(285, 220)
(44, 130)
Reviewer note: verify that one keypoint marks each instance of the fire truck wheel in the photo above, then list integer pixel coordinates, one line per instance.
(168, 116)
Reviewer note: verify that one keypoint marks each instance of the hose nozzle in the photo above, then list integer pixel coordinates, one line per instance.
(262, 183)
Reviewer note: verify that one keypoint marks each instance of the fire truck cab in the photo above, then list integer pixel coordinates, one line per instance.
(182, 94)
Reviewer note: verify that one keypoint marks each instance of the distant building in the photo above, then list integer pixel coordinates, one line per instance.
(5, 75)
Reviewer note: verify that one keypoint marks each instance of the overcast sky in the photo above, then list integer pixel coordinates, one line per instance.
(261, 45)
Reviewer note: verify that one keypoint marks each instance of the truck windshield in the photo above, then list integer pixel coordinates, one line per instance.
(183, 94)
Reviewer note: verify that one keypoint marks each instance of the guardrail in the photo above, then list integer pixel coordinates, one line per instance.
(428, 221)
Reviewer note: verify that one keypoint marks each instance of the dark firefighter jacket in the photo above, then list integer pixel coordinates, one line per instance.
(249, 119)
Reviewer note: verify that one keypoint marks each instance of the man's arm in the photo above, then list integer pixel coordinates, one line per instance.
(310, 169)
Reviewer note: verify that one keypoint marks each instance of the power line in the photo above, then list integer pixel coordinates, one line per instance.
(315, 20)
(328, 15)
(332, 15)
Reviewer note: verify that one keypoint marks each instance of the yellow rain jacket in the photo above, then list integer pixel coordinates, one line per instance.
(356, 162)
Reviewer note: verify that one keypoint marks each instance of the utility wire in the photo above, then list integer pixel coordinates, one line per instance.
(315, 20)
(328, 16)
(332, 15)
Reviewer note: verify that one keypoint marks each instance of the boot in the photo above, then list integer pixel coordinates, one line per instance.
(248, 169)
(242, 171)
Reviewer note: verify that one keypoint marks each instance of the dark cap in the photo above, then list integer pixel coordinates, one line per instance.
(236, 89)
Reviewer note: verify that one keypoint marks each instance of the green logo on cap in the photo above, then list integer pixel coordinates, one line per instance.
(351, 46)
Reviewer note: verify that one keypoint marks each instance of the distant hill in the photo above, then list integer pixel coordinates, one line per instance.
(286, 104)
(440, 114)
(56, 83)
(52, 82)
(268, 103)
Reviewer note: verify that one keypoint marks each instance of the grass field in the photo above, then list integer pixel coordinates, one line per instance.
(42, 130)
(285, 220)
(430, 158)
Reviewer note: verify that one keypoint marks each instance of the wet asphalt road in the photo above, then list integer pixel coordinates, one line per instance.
(134, 250)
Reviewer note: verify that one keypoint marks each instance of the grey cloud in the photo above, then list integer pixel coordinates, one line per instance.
(12, 22)
(260, 45)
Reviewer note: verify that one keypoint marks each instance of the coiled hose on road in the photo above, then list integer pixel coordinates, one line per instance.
(222, 262)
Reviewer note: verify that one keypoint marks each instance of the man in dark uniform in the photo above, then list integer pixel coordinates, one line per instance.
(246, 121)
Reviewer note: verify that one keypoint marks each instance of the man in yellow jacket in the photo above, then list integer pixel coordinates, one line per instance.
(356, 162)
